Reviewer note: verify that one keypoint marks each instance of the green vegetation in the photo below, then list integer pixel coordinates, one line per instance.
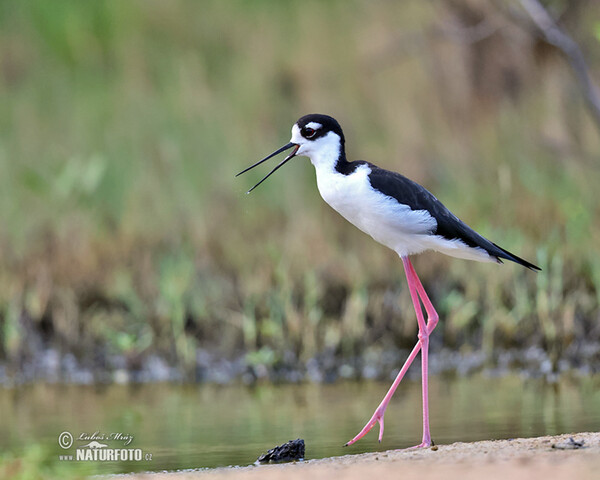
(123, 229)
(36, 462)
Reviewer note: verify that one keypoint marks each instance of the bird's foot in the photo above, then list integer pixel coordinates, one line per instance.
(422, 445)
(376, 418)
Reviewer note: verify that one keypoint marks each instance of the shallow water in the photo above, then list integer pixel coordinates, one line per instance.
(195, 426)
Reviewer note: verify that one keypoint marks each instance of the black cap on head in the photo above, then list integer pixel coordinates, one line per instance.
(329, 124)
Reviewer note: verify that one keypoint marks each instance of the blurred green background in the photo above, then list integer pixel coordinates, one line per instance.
(128, 250)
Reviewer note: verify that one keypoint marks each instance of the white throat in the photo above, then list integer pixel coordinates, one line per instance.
(323, 152)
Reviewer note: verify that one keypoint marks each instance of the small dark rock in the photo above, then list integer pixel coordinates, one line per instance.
(569, 444)
(288, 452)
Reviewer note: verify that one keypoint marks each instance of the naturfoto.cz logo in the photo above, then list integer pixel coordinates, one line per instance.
(97, 448)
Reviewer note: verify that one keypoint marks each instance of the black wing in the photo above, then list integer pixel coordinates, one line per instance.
(410, 193)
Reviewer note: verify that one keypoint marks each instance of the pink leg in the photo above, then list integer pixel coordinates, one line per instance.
(413, 282)
(432, 315)
(424, 332)
(416, 289)
(380, 411)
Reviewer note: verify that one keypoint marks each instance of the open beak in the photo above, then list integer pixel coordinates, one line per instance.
(283, 162)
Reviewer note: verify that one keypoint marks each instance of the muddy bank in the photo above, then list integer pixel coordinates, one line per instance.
(523, 458)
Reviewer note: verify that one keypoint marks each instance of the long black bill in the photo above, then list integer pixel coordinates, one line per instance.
(283, 162)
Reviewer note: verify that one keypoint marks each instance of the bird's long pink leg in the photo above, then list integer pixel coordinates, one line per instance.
(416, 289)
(432, 315)
(380, 411)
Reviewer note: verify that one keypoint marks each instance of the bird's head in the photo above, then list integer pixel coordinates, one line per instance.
(316, 136)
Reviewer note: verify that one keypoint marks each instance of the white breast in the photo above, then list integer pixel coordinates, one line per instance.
(382, 217)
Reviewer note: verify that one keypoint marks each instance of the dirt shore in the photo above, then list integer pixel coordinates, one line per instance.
(522, 458)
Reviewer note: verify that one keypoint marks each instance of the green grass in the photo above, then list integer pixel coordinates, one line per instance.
(37, 462)
(122, 125)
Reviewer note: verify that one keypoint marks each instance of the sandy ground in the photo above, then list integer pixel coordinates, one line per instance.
(522, 458)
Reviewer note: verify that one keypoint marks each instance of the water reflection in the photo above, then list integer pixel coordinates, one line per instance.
(192, 426)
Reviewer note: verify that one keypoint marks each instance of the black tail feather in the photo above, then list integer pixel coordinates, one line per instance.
(513, 258)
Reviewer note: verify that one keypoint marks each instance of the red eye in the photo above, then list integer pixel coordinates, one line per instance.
(308, 132)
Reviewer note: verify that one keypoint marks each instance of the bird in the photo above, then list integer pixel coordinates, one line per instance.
(396, 212)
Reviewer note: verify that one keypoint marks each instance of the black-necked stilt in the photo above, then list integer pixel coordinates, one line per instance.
(396, 212)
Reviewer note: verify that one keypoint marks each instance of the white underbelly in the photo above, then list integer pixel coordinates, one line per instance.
(383, 218)
(391, 223)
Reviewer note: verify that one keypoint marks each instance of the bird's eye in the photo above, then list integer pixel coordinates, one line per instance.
(308, 132)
